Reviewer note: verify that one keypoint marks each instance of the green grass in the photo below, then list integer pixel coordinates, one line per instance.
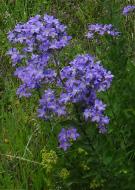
(23, 136)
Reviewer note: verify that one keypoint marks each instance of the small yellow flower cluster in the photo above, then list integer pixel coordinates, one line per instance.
(64, 173)
(49, 159)
(85, 167)
(82, 151)
(96, 183)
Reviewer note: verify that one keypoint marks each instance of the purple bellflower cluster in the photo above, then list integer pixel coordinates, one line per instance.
(101, 29)
(66, 136)
(128, 9)
(50, 105)
(83, 78)
(38, 39)
(75, 85)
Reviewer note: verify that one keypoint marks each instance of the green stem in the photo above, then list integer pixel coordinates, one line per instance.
(20, 158)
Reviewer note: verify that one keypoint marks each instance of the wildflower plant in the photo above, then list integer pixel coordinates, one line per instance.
(49, 159)
(38, 38)
(66, 90)
(64, 173)
(128, 9)
(97, 29)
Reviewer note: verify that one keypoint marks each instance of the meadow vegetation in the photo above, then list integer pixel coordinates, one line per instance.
(30, 157)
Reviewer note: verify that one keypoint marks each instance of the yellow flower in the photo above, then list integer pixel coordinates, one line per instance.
(49, 159)
(96, 183)
(64, 173)
(82, 151)
(85, 167)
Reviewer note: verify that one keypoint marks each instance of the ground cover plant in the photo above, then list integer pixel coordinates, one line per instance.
(67, 90)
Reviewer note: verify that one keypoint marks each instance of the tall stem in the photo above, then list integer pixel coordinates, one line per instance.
(58, 69)
(82, 129)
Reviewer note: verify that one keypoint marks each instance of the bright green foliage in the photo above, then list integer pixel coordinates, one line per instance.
(99, 162)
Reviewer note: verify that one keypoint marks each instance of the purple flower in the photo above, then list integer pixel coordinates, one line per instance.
(40, 33)
(39, 37)
(74, 85)
(16, 57)
(83, 78)
(23, 91)
(72, 134)
(49, 105)
(95, 113)
(102, 129)
(99, 106)
(65, 136)
(101, 29)
(128, 9)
